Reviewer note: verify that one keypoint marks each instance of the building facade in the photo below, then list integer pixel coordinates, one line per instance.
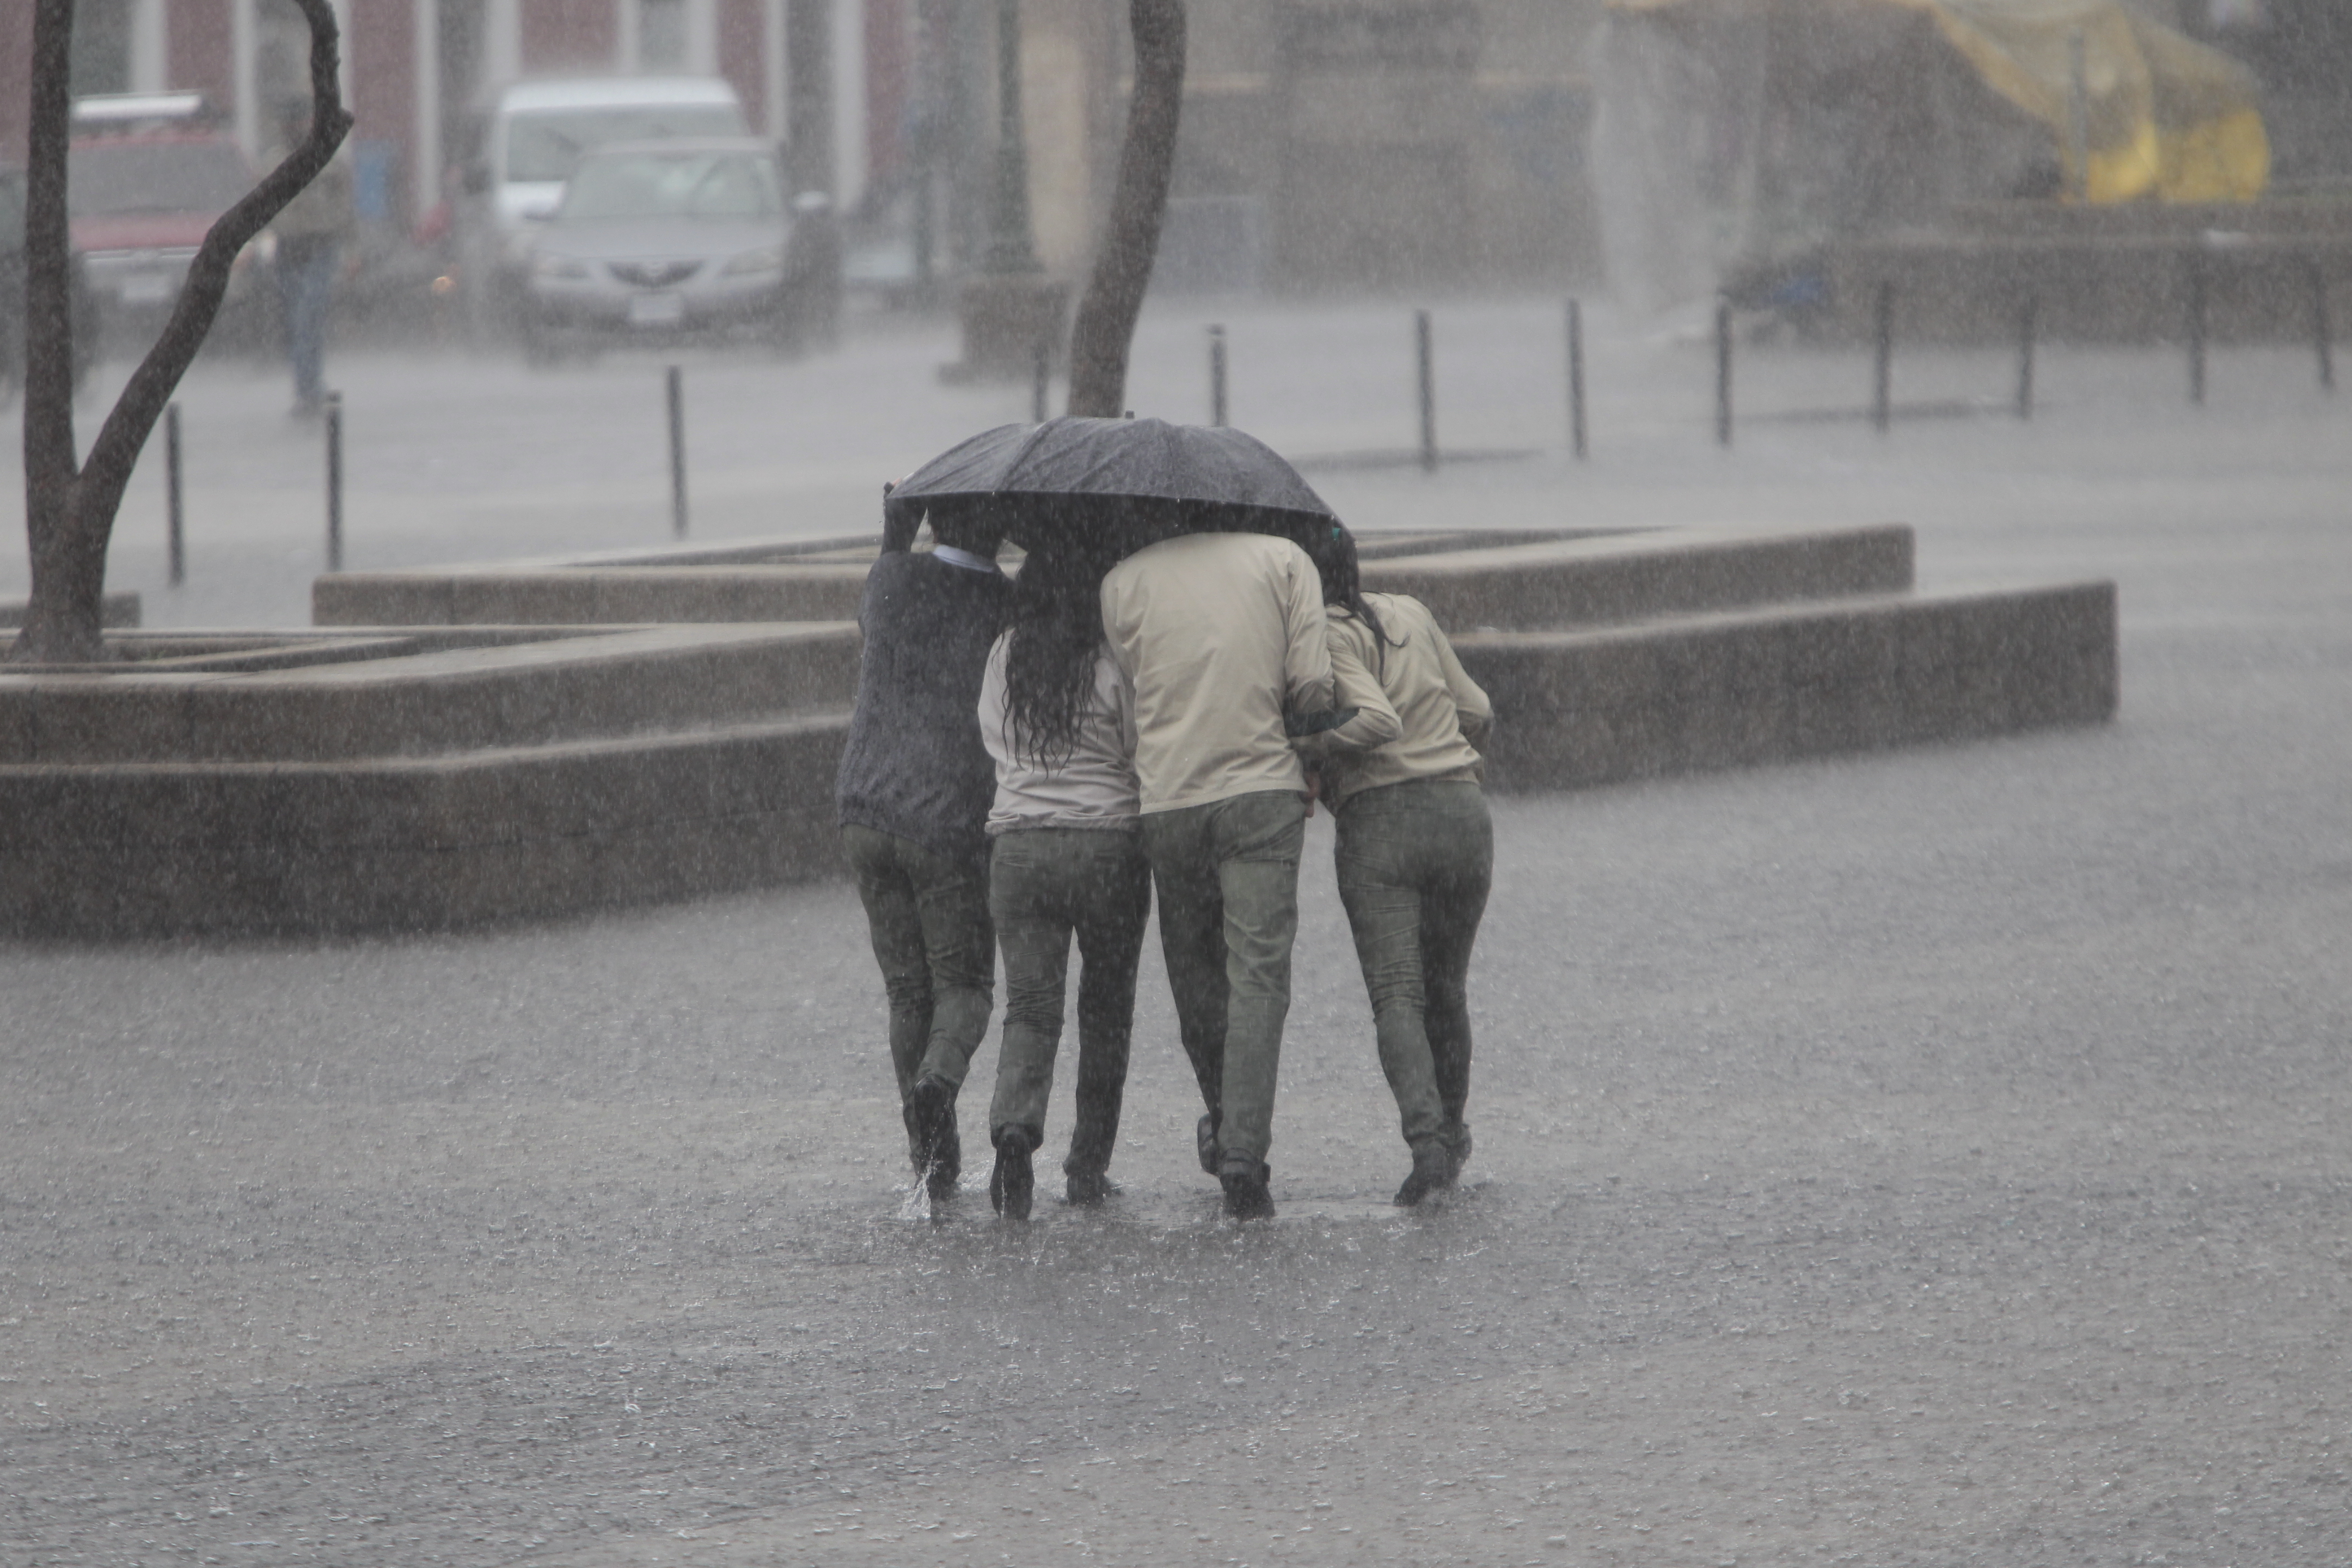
(414, 71)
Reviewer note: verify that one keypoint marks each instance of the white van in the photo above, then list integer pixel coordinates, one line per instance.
(531, 136)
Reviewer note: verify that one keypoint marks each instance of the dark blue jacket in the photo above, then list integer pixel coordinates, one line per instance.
(915, 765)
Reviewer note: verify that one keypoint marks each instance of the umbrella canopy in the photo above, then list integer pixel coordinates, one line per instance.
(1139, 480)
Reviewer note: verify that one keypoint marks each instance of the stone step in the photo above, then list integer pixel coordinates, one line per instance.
(405, 693)
(1583, 708)
(1551, 579)
(384, 844)
(1632, 576)
(447, 837)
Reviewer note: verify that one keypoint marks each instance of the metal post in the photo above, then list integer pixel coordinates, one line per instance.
(334, 481)
(2322, 331)
(2196, 329)
(1723, 372)
(1041, 382)
(676, 386)
(1216, 376)
(1576, 378)
(1426, 370)
(171, 512)
(2078, 117)
(2025, 324)
(1882, 384)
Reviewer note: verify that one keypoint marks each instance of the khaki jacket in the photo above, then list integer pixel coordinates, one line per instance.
(1419, 714)
(1220, 633)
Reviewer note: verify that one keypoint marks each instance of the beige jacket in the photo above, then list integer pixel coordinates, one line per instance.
(1220, 633)
(1420, 715)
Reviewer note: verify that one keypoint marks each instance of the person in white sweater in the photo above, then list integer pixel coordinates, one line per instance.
(1066, 859)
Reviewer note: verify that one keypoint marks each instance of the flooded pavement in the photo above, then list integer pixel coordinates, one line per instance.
(1930, 1158)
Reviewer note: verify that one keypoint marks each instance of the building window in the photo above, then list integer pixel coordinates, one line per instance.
(102, 46)
(661, 34)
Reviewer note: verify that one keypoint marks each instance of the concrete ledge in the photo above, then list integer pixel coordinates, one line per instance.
(577, 596)
(416, 844)
(388, 777)
(1588, 707)
(114, 610)
(1489, 578)
(412, 699)
(1632, 576)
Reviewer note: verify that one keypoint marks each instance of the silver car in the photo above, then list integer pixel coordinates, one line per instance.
(659, 240)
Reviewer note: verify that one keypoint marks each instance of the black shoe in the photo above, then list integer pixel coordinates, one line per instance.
(1088, 1188)
(1455, 1136)
(932, 1111)
(1245, 1193)
(1433, 1169)
(1013, 1181)
(1204, 1141)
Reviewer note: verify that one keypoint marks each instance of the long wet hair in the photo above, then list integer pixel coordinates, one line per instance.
(1343, 585)
(1055, 620)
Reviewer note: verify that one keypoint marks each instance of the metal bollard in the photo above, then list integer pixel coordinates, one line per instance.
(2322, 330)
(1427, 373)
(677, 388)
(176, 535)
(2025, 324)
(1882, 383)
(1216, 376)
(2197, 330)
(1576, 378)
(1041, 383)
(334, 481)
(1723, 372)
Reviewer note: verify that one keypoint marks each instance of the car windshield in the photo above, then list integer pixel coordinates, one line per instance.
(713, 185)
(134, 175)
(549, 143)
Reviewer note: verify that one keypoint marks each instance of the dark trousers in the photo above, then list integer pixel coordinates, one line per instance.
(1044, 885)
(1414, 862)
(1227, 874)
(306, 286)
(929, 919)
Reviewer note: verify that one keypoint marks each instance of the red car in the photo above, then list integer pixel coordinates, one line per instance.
(146, 175)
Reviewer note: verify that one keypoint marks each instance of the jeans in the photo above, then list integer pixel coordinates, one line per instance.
(1227, 874)
(306, 285)
(1043, 884)
(1414, 860)
(929, 919)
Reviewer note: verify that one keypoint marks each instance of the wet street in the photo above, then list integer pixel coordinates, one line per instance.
(1930, 1158)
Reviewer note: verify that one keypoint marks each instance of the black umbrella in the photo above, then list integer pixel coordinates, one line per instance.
(1137, 479)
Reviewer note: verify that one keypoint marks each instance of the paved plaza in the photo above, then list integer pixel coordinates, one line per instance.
(1929, 1158)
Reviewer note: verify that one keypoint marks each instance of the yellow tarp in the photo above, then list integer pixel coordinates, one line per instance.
(2165, 116)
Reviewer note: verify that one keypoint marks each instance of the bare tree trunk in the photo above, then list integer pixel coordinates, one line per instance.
(1104, 329)
(69, 508)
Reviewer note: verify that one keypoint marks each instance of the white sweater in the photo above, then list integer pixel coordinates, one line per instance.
(1095, 788)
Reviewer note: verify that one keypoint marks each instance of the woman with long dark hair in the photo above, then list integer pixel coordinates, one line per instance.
(1067, 857)
(1416, 851)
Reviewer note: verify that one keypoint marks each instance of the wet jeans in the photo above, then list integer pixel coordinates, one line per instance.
(1227, 874)
(929, 919)
(1045, 884)
(1414, 860)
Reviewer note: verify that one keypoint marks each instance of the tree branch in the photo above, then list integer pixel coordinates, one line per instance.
(116, 451)
(1105, 328)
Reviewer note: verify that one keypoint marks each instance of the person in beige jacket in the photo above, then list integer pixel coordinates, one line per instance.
(1415, 850)
(1221, 635)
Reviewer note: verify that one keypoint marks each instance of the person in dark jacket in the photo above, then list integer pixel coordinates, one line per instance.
(913, 796)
